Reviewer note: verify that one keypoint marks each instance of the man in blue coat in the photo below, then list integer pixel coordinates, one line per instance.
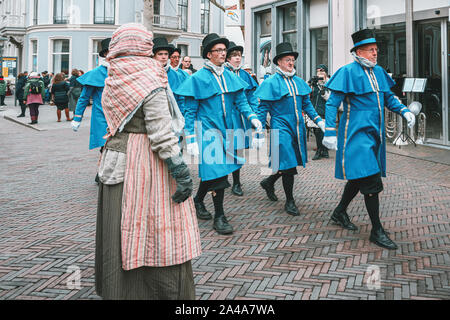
(93, 83)
(285, 96)
(162, 50)
(211, 94)
(241, 126)
(365, 90)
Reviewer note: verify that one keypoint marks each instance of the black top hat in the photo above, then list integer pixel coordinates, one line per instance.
(175, 49)
(234, 47)
(363, 37)
(210, 41)
(104, 47)
(284, 49)
(162, 44)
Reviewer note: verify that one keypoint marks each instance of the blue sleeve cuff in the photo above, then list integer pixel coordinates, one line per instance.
(330, 132)
(317, 119)
(77, 118)
(404, 110)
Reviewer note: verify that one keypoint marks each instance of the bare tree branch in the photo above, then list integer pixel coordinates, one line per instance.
(214, 2)
(147, 19)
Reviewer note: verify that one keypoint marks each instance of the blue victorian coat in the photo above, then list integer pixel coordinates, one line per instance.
(93, 82)
(285, 99)
(365, 93)
(176, 78)
(209, 104)
(242, 140)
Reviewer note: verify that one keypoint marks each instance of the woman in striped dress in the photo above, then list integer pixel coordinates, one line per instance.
(147, 230)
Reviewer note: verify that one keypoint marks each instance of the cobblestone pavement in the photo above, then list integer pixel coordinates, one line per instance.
(48, 211)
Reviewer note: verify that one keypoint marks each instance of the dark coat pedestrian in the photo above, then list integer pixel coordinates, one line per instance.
(59, 91)
(20, 84)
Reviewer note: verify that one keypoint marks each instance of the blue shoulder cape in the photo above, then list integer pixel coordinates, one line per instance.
(96, 77)
(352, 79)
(175, 78)
(248, 78)
(274, 88)
(203, 85)
(183, 73)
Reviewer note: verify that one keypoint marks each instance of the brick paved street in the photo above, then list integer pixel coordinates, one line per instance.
(48, 212)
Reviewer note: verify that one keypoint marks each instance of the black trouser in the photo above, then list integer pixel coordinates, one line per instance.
(319, 137)
(2, 99)
(370, 187)
(218, 187)
(23, 107)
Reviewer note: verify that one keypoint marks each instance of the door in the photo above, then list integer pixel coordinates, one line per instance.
(429, 66)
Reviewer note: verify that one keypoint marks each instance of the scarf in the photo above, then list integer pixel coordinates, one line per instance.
(285, 73)
(216, 69)
(233, 68)
(132, 74)
(363, 61)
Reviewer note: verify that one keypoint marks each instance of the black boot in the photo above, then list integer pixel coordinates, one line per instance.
(318, 155)
(324, 153)
(201, 211)
(237, 190)
(222, 226)
(268, 185)
(341, 218)
(21, 116)
(380, 238)
(291, 208)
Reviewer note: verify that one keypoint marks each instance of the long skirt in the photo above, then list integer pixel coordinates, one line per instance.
(149, 283)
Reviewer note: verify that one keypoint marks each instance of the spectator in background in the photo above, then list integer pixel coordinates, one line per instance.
(186, 65)
(20, 84)
(75, 90)
(60, 98)
(33, 95)
(46, 79)
(2, 93)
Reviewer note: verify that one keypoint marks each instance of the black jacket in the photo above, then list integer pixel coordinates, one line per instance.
(59, 90)
(19, 87)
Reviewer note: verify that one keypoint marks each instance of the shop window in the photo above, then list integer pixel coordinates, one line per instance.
(290, 25)
(264, 40)
(319, 48)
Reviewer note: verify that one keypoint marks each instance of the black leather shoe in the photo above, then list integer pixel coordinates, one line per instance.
(317, 156)
(201, 211)
(237, 190)
(222, 226)
(325, 154)
(380, 238)
(33, 122)
(291, 208)
(342, 219)
(20, 116)
(270, 190)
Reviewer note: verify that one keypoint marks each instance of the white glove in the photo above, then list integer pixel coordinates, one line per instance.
(192, 149)
(257, 143)
(411, 118)
(330, 143)
(321, 125)
(75, 125)
(257, 124)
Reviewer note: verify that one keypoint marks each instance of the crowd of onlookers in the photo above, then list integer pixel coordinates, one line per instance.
(35, 89)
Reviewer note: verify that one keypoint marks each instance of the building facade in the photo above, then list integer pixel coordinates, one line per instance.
(412, 37)
(59, 35)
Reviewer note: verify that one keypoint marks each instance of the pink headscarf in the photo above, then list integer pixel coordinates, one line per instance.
(132, 74)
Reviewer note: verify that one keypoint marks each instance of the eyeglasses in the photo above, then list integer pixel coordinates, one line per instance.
(220, 50)
(288, 60)
(371, 50)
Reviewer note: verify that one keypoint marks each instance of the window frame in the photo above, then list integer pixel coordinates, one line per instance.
(52, 53)
(205, 27)
(183, 4)
(105, 22)
(55, 13)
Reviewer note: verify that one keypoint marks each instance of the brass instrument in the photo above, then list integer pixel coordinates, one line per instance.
(421, 128)
(391, 122)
